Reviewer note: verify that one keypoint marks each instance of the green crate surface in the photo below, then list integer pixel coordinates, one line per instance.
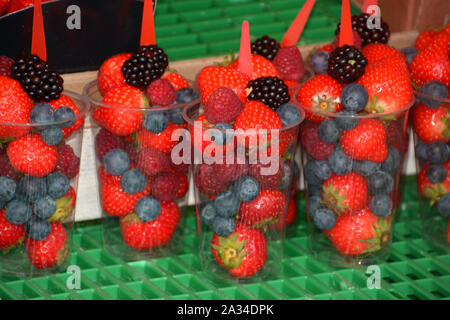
(414, 270)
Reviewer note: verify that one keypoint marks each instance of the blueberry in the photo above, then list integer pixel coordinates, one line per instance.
(314, 190)
(57, 185)
(18, 212)
(288, 114)
(322, 170)
(221, 134)
(52, 135)
(44, 207)
(366, 168)
(436, 173)
(147, 208)
(392, 162)
(329, 131)
(116, 162)
(64, 116)
(133, 181)
(29, 189)
(313, 203)
(443, 205)
(37, 228)
(156, 121)
(381, 205)
(310, 174)
(380, 183)
(42, 113)
(345, 121)
(421, 151)
(438, 152)
(324, 218)
(227, 204)
(409, 53)
(319, 61)
(7, 188)
(176, 117)
(2, 204)
(186, 95)
(435, 89)
(224, 226)
(208, 212)
(354, 97)
(246, 188)
(340, 163)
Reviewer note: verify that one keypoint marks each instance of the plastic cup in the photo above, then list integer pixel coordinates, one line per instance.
(242, 188)
(36, 224)
(131, 228)
(432, 150)
(352, 183)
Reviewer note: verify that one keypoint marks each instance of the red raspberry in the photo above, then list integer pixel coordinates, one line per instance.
(106, 141)
(180, 168)
(205, 178)
(312, 144)
(161, 93)
(68, 162)
(5, 66)
(267, 181)
(227, 173)
(289, 63)
(6, 169)
(165, 185)
(223, 106)
(151, 161)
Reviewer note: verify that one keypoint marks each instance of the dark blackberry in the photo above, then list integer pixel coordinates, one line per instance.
(145, 66)
(271, 91)
(375, 35)
(266, 47)
(37, 79)
(346, 64)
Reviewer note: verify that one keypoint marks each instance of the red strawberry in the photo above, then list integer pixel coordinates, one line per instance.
(68, 162)
(152, 161)
(424, 39)
(346, 194)
(110, 73)
(290, 217)
(105, 141)
(161, 141)
(66, 101)
(378, 51)
(367, 141)
(433, 191)
(211, 78)
(183, 185)
(15, 108)
(206, 180)
(261, 67)
(161, 93)
(431, 124)
(65, 206)
(141, 235)
(11, 235)
(6, 169)
(396, 137)
(32, 156)
(5, 62)
(243, 253)
(122, 120)
(16, 5)
(321, 94)
(289, 63)
(4, 4)
(293, 86)
(327, 48)
(266, 209)
(362, 233)
(223, 106)
(312, 144)
(178, 81)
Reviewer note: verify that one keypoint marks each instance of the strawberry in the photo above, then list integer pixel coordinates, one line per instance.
(15, 108)
(424, 39)
(292, 85)
(65, 206)
(433, 191)
(160, 141)
(266, 209)
(378, 51)
(431, 124)
(122, 120)
(346, 194)
(289, 63)
(362, 233)
(141, 235)
(5, 62)
(177, 80)
(211, 78)
(367, 141)
(4, 6)
(327, 48)
(66, 101)
(6, 169)
(32, 156)
(110, 73)
(243, 253)
(152, 161)
(261, 67)
(290, 216)
(320, 94)
(11, 235)
(184, 185)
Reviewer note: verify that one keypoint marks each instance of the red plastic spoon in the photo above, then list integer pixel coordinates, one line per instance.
(245, 51)
(38, 34)
(148, 25)
(346, 34)
(295, 30)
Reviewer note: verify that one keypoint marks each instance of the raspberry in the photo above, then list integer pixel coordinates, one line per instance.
(5, 66)
(68, 162)
(106, 141)
(312, 144)
(223, 106)
(6, 169)
(267, 181)
(165, 185)
(180, 168)
(227, 173)
(161, 93)
(151, 161)
(289, 63)
(205, 178)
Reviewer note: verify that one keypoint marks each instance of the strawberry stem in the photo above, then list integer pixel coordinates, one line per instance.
(295, 30)
(38, 34)
(148, 25)
(346, 34)
(245, 51)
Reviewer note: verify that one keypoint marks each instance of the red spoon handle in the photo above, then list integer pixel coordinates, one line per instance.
(295, 30)
(38, 34)
(148, 25)
(346, 34)
(245, 52)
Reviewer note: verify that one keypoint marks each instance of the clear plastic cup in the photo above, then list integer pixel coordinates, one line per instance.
(36, 223)
(351, 183)
(242, 188)
(431, 126)
(132, 229)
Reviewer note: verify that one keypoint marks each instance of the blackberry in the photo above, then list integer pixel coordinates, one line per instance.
(37, 79)
(271, 91)
(266, 47)
(346, 64)
(145, 66)
(375, 35)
